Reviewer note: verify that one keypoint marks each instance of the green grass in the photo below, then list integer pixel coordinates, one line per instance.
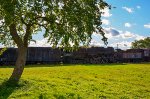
(113, 81)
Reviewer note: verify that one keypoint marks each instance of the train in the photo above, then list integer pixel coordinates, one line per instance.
(91, 55)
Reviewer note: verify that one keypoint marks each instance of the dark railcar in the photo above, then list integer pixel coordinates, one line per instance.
(118, 56)
(8, 57)
(43, 55)
(133, 55)
(35, 55)
(97, 55)
(93, 55)
(146, 55)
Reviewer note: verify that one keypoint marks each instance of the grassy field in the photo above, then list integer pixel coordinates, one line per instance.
(113, 81)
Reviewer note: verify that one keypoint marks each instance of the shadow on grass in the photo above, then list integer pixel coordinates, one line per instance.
(107, 64)
(7, 88)
(6, 66)
(60, 65)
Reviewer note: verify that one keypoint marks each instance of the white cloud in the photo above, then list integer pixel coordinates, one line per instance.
(40, 43)
(125, 39)
(127, 25)
(138, 37)
(138, 7)
(1, 46)
(106, 13)
(122, 44)
(147, 25)
(130, 10)
(105, 22)
(111, 32)
(128, 34)
(96, 43)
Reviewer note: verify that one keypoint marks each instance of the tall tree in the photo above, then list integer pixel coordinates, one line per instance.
(145, 43)
(67, 23)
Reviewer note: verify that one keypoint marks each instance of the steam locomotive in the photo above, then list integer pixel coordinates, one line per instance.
(92, 55)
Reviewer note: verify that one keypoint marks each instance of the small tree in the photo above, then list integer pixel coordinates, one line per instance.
(67, 23)
(145, 43)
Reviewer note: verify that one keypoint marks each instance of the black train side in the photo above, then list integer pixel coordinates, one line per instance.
(43, 55)
(8, 57)
(93, 55)
(136, 55)
(35, 55)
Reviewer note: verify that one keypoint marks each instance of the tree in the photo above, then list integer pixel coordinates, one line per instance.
(145, 43)
(67, 24)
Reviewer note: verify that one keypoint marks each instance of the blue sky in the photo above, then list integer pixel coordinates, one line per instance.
(129, 21)
(138, 18)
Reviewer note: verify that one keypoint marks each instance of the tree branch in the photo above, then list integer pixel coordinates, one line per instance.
(15, 36)
(27, 35)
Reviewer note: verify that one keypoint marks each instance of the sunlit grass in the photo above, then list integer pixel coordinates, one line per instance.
(124, 81)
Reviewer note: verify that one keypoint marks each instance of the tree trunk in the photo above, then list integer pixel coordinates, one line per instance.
(19, 66)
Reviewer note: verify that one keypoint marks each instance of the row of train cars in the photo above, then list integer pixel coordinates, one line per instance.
(92, 55)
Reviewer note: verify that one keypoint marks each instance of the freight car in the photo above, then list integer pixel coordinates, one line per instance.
(43, 55)
(136, 55)
(93, 55)
(8, 57)
(35, 55)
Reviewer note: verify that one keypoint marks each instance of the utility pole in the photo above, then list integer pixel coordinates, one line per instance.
(117, 46)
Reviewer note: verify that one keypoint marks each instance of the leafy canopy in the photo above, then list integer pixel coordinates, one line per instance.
(145, 43)
(66, 23)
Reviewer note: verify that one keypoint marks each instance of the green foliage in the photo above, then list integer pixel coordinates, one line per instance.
(114, 81)
(145, 43)
(67, 23)
(2, 50)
